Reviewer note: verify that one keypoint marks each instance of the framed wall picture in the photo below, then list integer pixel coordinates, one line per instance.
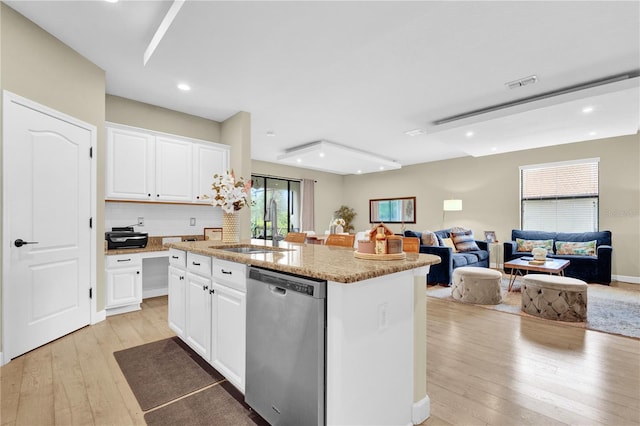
(490, 236)
(213, 234)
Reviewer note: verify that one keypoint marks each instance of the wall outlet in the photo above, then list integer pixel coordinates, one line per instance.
(192, 221)
(141, 221)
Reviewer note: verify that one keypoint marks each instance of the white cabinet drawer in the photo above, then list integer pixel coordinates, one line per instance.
(231, 274)
(124, 260)
(177, 258)
(199, 264)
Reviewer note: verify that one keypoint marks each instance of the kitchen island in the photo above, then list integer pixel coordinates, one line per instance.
(376, 325)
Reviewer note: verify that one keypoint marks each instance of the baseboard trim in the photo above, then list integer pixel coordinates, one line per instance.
(123, 309)
(626, 279)
(99, 317)
(155, 292)
(1, 359)
(421, 410)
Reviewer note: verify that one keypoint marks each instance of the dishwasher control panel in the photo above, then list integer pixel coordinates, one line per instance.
(304, 285)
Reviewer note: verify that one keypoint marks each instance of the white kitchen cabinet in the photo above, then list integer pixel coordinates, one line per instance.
(123, 283)
(198, 305)
(228, 321)
(177, 300)
(174, 174)
(130, 165)
(208, 160)
(144, 165)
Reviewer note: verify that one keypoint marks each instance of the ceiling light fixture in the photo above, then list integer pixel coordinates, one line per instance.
(184, 87)
(567, 90)
(469, 134)
(587, 109)
(415, 132)
(524, 81)
(334, 158)
(111, 1)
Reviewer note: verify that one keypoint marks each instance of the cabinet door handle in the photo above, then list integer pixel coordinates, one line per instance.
(226, 272)
(149, 195)
(124, 260)
(158, 195)
(212, 291)
(181, 277)
(174, 257)
(195, 263)
(138, 272)
(205, 287)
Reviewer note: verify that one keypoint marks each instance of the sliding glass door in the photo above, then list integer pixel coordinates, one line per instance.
(276, 207)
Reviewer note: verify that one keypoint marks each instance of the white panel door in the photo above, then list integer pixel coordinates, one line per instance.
(130, 164)
(208, 160)
(228, 347)
(198, 327)
(47, 203)
(174, 174)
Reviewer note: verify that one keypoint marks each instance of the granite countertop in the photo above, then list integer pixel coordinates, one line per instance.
(311, 260)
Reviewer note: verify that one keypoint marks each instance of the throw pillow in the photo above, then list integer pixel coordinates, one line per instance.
(464, 241)
(410, 234)
(448, 242)
(528, 245)
(429, 239)
(578, 248)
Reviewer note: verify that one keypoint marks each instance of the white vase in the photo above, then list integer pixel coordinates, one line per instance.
(230, 227)
(339, 229)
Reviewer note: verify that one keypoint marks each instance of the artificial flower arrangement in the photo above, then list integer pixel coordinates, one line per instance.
(339, 221)
(230, 193)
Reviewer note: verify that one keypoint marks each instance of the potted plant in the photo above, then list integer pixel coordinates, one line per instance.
(347, 214)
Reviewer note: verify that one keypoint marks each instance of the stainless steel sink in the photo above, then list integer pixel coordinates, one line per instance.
(249, 250)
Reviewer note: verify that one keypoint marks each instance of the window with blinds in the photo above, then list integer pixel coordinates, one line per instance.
(560, 197)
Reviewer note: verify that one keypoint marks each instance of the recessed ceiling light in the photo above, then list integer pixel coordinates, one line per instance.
(299, 160)
(111, 1)
(359, 172)
(587, 110)
(494, 149)
(593, 133)
(381, 167)
(415, 132)
(469, 134)
(184, 87)
(321, 154)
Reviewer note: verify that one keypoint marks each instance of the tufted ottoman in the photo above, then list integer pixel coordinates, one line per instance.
(555, 297)
(472, 284)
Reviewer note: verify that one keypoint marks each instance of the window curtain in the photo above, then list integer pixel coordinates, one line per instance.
(307, 221)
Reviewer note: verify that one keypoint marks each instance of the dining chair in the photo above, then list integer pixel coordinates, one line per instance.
(296, 237)
(411, 244)
(341, 240)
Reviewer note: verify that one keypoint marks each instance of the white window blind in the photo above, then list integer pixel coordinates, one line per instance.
(560, 197)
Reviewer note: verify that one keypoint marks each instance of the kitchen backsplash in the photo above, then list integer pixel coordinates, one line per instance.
(162, 219)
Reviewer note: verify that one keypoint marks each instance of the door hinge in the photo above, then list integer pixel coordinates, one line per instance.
(91, 152)
(90, 222)
(90, 292)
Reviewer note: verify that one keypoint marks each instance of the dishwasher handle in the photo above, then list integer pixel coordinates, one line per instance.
(278, 291)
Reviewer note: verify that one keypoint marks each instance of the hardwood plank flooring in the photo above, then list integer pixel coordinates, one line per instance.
(483, 367)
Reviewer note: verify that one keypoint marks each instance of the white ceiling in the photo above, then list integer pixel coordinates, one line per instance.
(362, 73)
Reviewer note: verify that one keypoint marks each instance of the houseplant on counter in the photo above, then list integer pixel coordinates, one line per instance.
(232, 195)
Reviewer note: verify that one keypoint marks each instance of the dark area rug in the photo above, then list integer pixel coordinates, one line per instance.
(162, 371)
(218, 405)
(609, 309)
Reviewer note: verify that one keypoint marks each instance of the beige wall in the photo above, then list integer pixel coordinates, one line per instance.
(488, 188)
(328, 189)
(39, 67)
(138, 114)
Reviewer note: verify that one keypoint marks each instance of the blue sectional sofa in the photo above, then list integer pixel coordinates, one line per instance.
(592, 268)
(442, 273)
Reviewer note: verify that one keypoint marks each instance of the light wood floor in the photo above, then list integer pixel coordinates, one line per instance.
(483, 367)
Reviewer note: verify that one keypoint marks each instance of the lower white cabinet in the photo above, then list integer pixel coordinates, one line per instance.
(123, 283)
(198, 324)
(207, 309)
(228, 321)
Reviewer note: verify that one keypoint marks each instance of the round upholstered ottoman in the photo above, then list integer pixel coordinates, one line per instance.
(476, 285)
(555, 297)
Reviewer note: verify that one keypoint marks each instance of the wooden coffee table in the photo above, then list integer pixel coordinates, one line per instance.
(550, 266)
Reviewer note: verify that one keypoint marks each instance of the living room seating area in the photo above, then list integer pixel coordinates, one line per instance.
(589, 253)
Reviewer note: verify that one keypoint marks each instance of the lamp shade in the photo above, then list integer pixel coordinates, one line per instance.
(452, 205)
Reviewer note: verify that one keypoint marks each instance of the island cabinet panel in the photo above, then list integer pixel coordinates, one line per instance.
(198, 315)
(177, 300)
(143, 165)
(370, 334)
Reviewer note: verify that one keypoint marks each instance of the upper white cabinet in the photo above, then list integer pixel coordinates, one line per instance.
(150, 166)
(131, 165)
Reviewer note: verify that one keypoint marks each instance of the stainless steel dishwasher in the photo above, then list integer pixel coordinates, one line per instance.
(286, 334)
